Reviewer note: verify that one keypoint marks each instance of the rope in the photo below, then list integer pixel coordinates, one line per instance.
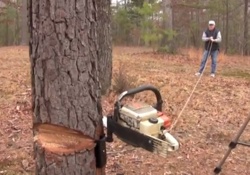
(177, 119)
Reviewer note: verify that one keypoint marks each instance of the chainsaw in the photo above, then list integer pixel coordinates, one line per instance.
(140, 124)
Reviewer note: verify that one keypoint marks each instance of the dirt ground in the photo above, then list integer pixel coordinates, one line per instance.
(211, 119)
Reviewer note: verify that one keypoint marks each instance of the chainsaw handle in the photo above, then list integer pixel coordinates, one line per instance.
(142, 88)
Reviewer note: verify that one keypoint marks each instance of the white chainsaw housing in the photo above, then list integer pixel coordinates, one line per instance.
(145, 119)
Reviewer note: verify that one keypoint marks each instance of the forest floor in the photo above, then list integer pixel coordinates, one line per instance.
(217, 109)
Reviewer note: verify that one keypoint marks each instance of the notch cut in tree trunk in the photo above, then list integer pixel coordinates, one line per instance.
(61, 140)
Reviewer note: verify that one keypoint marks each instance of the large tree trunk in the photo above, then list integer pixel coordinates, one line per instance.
(105, 44)
(65, 87)
(24, 27)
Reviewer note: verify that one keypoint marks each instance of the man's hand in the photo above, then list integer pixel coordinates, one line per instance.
(212, 39)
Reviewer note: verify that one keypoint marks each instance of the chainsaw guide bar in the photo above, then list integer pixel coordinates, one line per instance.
(137, 139)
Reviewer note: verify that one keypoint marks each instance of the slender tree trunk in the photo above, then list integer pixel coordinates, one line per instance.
(245, 43)
(125, 4)
(191, 32)
(197, 32)
(24, 23)
(168, 22)
(16, 35)
(105, 44)
(227, 27)
(173, 14)
(65, 87)
(7, 33)
(167, 18)
(223, 30)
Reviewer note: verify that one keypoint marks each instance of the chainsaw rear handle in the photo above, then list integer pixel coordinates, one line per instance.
(142, 88)
(117, 106)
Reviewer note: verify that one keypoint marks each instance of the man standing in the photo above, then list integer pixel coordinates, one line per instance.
(212, 38)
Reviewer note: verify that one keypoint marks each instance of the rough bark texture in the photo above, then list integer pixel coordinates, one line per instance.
(65, 85)
(105, 44)
(24, 26)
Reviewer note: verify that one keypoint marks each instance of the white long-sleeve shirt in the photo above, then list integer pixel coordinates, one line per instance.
(205, 38)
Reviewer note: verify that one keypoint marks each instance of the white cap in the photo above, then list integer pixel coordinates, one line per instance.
(211, 22)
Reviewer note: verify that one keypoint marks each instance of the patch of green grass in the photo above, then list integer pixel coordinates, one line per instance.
(237, 73)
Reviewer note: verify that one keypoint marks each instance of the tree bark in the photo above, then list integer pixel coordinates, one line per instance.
(105, 44)
(24, 23)
(65, 86)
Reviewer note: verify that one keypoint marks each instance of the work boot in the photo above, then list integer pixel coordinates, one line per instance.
(212, 75)
(197, 74)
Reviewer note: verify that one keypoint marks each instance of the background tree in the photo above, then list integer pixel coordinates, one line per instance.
(227, 26)
(65, 87)
(105, 44)
(24, 27)
(189, 19)
(13, 24)
(246, 45)
(144, 23)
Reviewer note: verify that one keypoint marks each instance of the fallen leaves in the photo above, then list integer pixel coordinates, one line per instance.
(216, 111)
(25, 164)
